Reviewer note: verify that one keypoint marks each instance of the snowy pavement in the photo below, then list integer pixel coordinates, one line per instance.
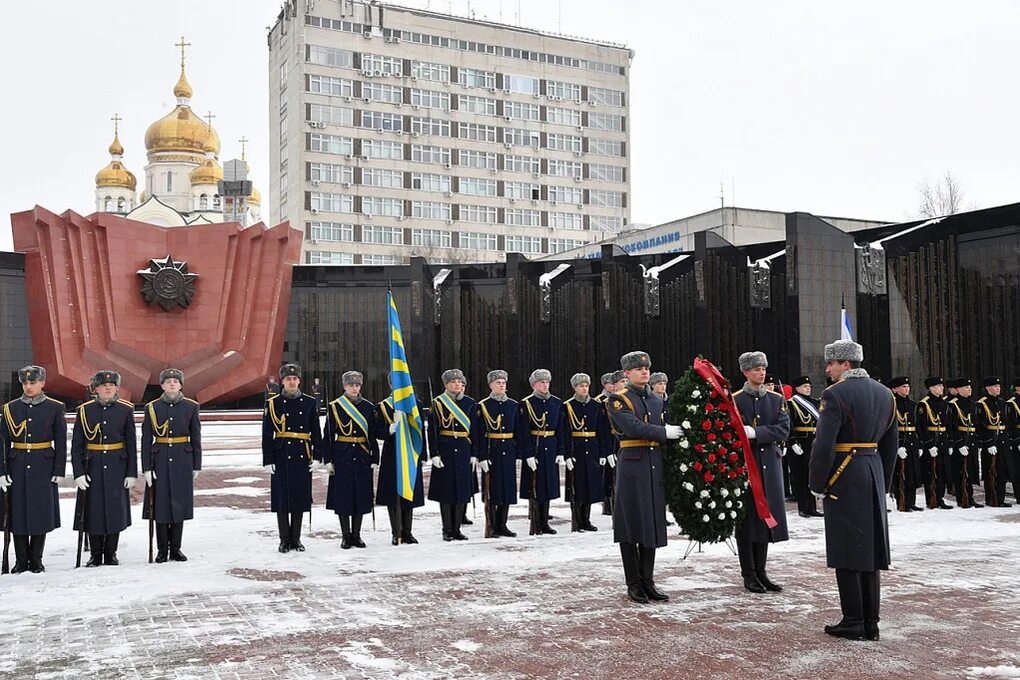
(549, 606)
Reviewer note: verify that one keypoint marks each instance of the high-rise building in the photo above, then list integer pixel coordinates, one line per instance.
(397, 132)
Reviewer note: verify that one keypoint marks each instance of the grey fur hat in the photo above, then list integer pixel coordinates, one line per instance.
(580, 379)
(453, 374)
(844, 350)
(290, 369)
(607, 378)
(168, 373)
(539, 374)
(31, 373)
(498, 374)
(749, 360)
(618, 376)
(103, 377)
(635, 360)
(352, 378)
(658, 377)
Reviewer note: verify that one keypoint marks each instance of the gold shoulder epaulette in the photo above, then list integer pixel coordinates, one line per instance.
(192, 401)
(90, 401)
(127, 403)
(56, 401)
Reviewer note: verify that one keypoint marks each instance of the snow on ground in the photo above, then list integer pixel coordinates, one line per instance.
(549, 606)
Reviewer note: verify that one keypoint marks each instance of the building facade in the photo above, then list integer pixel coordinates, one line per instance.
(398, 132)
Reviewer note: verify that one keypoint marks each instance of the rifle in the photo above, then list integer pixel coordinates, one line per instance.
(151, 498)
(901, 499)
(486, 485)
(81, 509)
(373, 493)
(533, 522)
(7, 521)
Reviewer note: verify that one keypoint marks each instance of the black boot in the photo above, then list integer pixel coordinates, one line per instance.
(852, 603)
(406, 520)
(632, 573)
(21, 553)
(110, 549)
(162, 542)
(502, 514)
(458, 519)
(396, 524)
(746, 555)
(586, 516)
(295, 531)
(283, 522)
(646, 569)
(760, 552)
(356, 531)
(345, 532)
(35, 549)
(575, 518)
(544, 514)
(607, 508)
(464, 521)
(871, 595)
(176, 534)
(446, 514)
(96, 542)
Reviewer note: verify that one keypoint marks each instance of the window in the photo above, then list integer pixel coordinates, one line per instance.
(378, 92)
(478, 213)
(337, 87)
(387, 179)
(522, 84)
(373, 233)
(475, 78)
(606, 173)
(521, 164)
(480, 105)
(330, 56)
(603, 96)
(324, 202)
(217, 203)
(430, 154)
(430, 126)
(559, 220)
(431, 210)
(120, 204)
(387, 207)
(203, 202)
(386, 66)
(376, 120)
(520, 137)
(323, 257)
(431, 237)
(558, 142)
(476, 159)
(557, 88)
(564, 168)
(430, 182)
(331, 231)
(430, 99)
(333, 115)
(558, 245)
(477, 187)
(328, 172)
(606, 223)
(605, 147)
(377, 148)
(605, 121)
(522, 111)
(563, 116)
(169, 181)
(424, 70)
(478, 133)
(330, 144)
(613, 199)
(565, 194)
(522, 218)
(379, 259)
(478, 240)
(523, 244)
(527, 190)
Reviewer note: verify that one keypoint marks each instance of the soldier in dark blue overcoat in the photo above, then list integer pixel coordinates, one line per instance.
(104, 457)
(851, 467)
(401, 510)
(611, 383)
(291, 451)
(585, 429)
(351, 454)
(540, 445)
(33, 456)
(171, 461)
(449, 438)
(494, 423)
(767, 423)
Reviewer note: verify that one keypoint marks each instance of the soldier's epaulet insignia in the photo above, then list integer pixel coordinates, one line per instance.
(982, 400)
(127, 403)
(55, 401)
(274, 397)
(821, 405)
(90, 401)
(192, 401)
(151, 402)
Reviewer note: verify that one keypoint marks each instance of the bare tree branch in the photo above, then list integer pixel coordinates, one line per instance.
(942, 198)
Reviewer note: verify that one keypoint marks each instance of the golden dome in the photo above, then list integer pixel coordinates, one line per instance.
(115, 175)
(256, 197)
(181, 129)
(209, 172)
(116, 148)
(183, 87)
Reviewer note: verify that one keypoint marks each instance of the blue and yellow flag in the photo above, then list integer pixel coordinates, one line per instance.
(405, 409)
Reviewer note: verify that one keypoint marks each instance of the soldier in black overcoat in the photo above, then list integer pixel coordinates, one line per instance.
(104, 457)
(291, 451)
(964, 443)
(452, 479)
(990, 421)
(906, 476)
(33, 456)
(171, 462)
(585, 429)
(611, 383)
(767, 425)
(851, 468)
(541, 447)
(400, 509)
(494, 423)
(803, 421)
(932, 417)
(1013, 434)
(639, 517)
(351, 455)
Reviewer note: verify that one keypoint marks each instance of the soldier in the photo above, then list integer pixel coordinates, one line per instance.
(104, 457)
(906, 475)
(318, 394)
(272, 388)
(767, 425)
(991, 434)
(639, 519)
(171, 461)
(495, 422)
(291, 451)
(611, 384)
(1013, 434)
(964, 442)
(585, 429)
(851, 469)
(803, 419)
(33, 444)
(541, 447)
(659, 382)
(351, 454)
(400, 510)
(932, 415)
(449, 435)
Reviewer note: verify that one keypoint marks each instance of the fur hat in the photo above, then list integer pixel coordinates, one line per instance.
(452, 374)
(619, 375)
(104, 377)
(632, 360)
(352, 378)
(800, 380)
(607, 378)
(290, 369)
(932, 381)
(989, 381)
(658, 377)
(168, 373)
(898, 381)
(539, 374)
(844, 350)
(31, 373)
(749, 360)
(957, 383)
(580, 379)
(498, 374)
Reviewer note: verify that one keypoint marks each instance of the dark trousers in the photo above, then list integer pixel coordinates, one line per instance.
(168, 536)
(995, 473)
(638, 565)
(799, 480)
(962, 482)
(401, 518)
(935, 472)
(28, 552)
(104, 547)
(289, 526)
(860, 594)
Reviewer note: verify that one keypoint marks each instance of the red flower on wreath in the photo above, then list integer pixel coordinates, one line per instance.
(722, 450)
(709, 408)
(700, 448)
(727, 435)
(732, 475)
(734, 457)
(706, 425)
(711, 437)
(719, 424)
(709, 477)
(740, 470)
(711, 458)
(697, 466)
(721, 467)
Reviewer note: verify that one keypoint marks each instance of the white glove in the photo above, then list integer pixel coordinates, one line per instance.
(194, 474)
(148, 477)
(54, 479)
(934, 452)
(950, 450)
(602, 462)
(437, 462)
(532, 463)
(992, 450)
(782, 452)
(901, 452)
(330, 468)
(797, 449)
(570, 463)
(271, 467)
(611, 459)
(749, 431)
(673, 431)
(5, 482)
(485, 466)
(474, 462)
(375, 466)
(964, 451)
(314, 465)
(819, 496)
(129, 482)
(81, 482)
(559, 460)
(393, 428)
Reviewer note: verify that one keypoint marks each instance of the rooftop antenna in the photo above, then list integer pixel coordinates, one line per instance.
(243, 140)
(559, 19)
(722, 197)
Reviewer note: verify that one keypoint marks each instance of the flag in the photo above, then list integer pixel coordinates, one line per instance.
(846, 331)
(408, 436)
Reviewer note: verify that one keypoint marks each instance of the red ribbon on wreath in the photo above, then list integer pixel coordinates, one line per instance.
(720, 386)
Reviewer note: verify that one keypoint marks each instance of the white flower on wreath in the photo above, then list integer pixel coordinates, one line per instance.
(684, 444)
(712, 505)
(724, 492)
(722, 515)
(733, 513)
(697, 504)
(704, 518)
(740, 504)
(686, 425)
(692, 408)
(704, 493)
(695, 394)
(688, 486)
(683, 467)
(736, 492)
(729, 504)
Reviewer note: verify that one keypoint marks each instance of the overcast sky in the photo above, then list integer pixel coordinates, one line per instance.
(833, 108)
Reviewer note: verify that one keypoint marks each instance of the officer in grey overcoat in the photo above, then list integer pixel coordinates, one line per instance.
(851, 468)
